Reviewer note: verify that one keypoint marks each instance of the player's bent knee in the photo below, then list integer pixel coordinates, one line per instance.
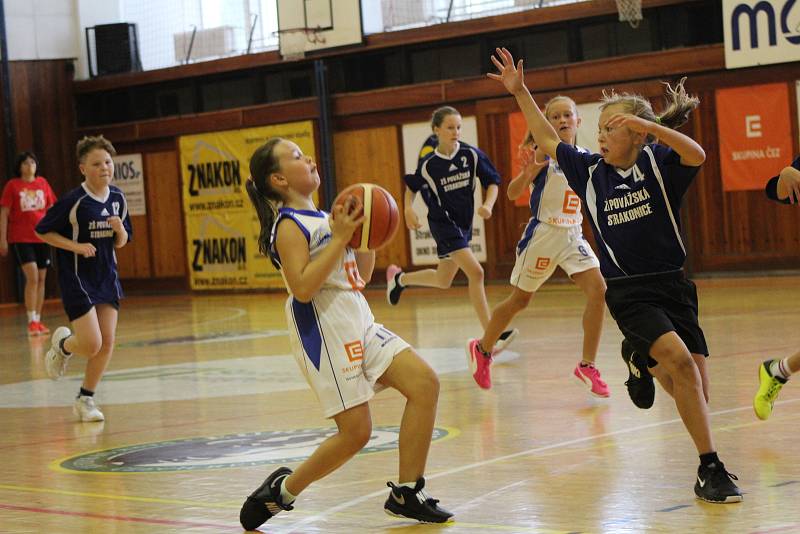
(359, 436)
(90, 347)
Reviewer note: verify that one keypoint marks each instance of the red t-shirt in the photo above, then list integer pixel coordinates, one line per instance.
(27, 203)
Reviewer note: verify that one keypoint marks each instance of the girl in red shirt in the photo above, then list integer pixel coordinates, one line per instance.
(23, 203)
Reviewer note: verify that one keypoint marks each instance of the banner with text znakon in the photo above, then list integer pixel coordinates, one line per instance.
(222, 227)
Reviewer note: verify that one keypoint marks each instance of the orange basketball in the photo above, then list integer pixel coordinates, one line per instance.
(381, 216)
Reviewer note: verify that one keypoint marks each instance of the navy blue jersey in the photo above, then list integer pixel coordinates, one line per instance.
(81, 216)
(447, 183)
(634, 213)
(772, 186)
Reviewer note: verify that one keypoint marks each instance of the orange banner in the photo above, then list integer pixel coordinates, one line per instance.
(755, 136)
(518, 129)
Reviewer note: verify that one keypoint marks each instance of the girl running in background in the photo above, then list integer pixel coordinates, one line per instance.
(23, 204)
(633, 190)
(552, 238)
(344, 354)
(85, 226)
(446, 178)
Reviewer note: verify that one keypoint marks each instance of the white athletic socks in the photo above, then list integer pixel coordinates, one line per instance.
(780, 368)
(286, 497)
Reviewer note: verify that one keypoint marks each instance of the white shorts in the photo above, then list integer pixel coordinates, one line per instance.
(339, 347)
(550, 247)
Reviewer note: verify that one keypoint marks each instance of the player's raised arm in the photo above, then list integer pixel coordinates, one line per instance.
(512, 77)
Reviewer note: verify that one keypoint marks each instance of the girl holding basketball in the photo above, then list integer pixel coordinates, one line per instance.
(633, 190)
(552, 238)
(344, 354)
(446, 178)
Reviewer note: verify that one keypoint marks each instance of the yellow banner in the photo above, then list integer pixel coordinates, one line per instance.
(221, 225)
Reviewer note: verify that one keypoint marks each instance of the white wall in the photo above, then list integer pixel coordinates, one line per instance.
(41, 29)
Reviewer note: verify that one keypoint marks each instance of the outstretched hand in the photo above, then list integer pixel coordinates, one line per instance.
(511, 76)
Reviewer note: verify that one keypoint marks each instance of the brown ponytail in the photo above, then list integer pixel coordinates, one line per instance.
(264, 198)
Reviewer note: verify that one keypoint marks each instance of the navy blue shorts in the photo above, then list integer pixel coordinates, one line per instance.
(449, 237)
(78, 308)
(38, 253)
(81, 294)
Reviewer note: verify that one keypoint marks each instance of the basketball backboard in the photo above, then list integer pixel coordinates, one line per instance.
(318, 25)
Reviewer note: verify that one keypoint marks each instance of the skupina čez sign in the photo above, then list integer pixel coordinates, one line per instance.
(760, 32)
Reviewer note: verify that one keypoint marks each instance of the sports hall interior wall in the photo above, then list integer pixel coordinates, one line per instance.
(736, 231)
(43, 117)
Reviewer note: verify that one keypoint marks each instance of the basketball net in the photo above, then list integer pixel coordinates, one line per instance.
(630, 11)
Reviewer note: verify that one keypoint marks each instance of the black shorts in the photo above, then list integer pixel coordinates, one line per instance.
(647, 307)
(32, 252)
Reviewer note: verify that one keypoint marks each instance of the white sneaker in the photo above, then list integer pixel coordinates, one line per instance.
(86, 410)
(505, 340)
(55, 361)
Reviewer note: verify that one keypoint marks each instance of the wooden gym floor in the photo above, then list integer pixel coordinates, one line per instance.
(209, 379)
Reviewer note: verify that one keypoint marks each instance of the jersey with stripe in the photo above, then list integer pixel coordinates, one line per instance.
(634, 212)
(552, 199)
(447, 182)
(552, 202)
(315, 226)
(82, 217)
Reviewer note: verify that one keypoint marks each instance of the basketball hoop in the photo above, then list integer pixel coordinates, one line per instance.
(630, 11)
(293, 42)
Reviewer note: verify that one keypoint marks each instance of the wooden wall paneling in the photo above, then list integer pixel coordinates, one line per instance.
(295, 110)
(133, 260)
(373, 156)
(738, 230)
(116, 133)
(165, 213)
(382, 100)
(216, 121)
(43, 119)
(493, 139)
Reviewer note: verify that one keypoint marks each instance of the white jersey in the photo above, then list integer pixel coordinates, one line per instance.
(316, 227)
(338, 346)
(552, 199)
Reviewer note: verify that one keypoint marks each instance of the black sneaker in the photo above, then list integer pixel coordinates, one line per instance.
(393, 286)
(414, 504)
(715, 484)
(640, 385)
(264, 502)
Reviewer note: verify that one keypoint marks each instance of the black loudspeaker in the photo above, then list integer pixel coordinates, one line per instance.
(116, 47)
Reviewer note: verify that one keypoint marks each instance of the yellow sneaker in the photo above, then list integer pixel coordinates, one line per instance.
(767, 391)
